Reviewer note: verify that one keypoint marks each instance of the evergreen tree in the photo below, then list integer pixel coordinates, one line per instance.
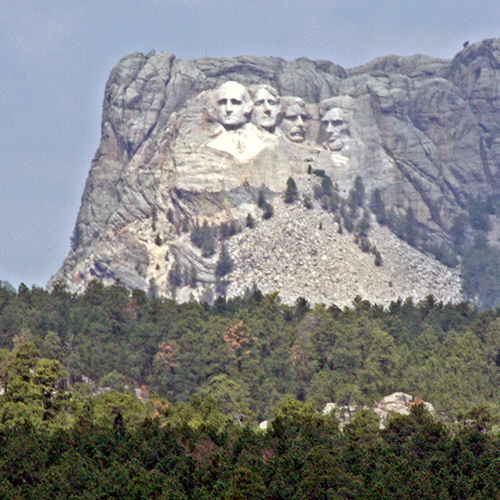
(410, 227)
(307, 202)
(250, 221)
(478, 214)
(458, 231)
(193, 277)
(261, 197)
(225, 263)
(291, 192)
(377, 206)
(268, 210)
(175, 275)
(208, 240)
(363, 226)
(76, 238)
(356, 196)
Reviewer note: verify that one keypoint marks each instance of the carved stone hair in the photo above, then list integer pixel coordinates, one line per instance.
(343, 102)
(254, 89)
(288, 101)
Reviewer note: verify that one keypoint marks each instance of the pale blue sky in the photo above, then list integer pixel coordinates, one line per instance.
(56, 56)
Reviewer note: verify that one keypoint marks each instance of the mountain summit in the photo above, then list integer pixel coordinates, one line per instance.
(215, 176)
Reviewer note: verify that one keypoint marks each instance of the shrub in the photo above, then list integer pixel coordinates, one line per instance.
(291, 192)
(250, 221)
(268, 210)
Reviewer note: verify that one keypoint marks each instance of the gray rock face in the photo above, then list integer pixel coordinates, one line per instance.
(424, 131)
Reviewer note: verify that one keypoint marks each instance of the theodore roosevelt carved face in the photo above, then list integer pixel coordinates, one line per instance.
(294, 118)
(234, 105)
(336, 128)
(266, 102)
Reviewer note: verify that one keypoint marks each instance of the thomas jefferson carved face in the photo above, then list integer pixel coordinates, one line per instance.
(234, 104)
(336, 128)
(266, 108)
(295, 118)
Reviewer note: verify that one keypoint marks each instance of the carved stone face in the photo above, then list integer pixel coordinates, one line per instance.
(234, 104)
(266, 109)
(336, 128)
(294, 123)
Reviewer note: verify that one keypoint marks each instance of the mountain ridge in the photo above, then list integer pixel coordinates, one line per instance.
(423, 132)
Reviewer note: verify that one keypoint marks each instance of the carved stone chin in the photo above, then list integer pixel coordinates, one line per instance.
(336, 145)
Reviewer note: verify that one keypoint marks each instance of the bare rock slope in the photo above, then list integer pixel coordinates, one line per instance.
(424, 132)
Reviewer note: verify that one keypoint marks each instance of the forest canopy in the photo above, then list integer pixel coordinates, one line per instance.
(71, 425)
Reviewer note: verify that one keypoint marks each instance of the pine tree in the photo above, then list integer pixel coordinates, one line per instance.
(410, 227)
(225, 263)
(356, 194)
(208, 240)
(250, 221)
(193, 277)
(268, 210)
(261, 198)
(175, 275)
(291, 193)
(377, 206)
(363, 226)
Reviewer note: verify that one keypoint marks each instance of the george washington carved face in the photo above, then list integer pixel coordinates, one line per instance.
(234, 105)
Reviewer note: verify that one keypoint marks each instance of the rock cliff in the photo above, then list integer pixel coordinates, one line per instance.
(423, 133)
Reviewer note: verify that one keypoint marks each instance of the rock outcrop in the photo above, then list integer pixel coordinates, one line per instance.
(425, 132)
(396, 403)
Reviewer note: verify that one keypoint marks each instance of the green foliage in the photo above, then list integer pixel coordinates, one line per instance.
(458, 231)
(224, 263)
(175, 275)
(356, 197)
(204, 237)
(307, 202)
(224, 366)
(228, 229)
(250, 221)
(478, 213)
(76, 238)
(481, 272)
(313, 353)
(261, 197)
(410, 227)
(268, 210)
(363, 225)
(291, 192)
(377, 206)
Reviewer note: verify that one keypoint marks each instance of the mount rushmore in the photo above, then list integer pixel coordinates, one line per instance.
(187, 145)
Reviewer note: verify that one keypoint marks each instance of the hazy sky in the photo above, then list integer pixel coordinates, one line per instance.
(56, 56)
